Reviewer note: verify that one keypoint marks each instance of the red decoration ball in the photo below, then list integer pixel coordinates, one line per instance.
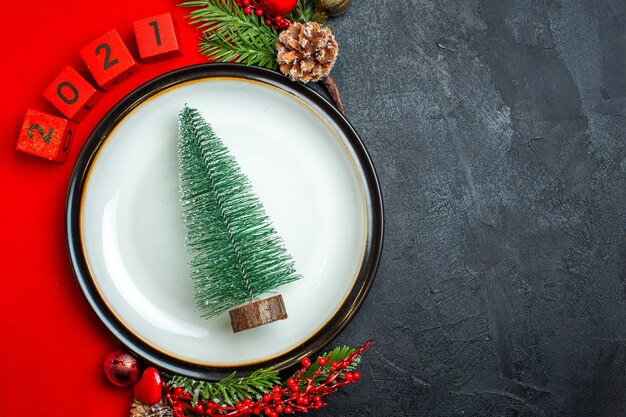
(121, 368)
(279, 7)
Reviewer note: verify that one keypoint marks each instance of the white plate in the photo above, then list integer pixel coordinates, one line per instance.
(132, 237)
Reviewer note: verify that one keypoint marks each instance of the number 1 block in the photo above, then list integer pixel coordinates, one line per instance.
(156, 38)
(45, 135)
(71, 94)
(108, 60)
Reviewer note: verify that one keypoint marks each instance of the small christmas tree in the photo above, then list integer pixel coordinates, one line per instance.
(237, 255)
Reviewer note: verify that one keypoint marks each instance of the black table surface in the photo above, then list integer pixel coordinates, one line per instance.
(498, 131)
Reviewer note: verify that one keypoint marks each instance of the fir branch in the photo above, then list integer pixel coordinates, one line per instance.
(246, 50)
(229, 390)
(228, 34)
(304, 11)
(337, 355)
(237, 254)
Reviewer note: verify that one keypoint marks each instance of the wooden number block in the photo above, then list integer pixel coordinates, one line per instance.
(45, 135)
(71, 94)
(156, 38)
(109, 60)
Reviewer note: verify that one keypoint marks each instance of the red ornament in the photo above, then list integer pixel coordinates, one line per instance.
(279, 7)
(148, 388)
(121, 368)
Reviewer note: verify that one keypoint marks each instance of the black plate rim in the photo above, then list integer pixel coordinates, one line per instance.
(365, 169)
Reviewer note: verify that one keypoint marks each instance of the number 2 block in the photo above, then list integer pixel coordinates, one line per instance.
(45, 135)
(156, 38)
(71, 94)
(108, 60)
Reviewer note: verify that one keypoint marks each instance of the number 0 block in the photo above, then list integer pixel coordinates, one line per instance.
(71, 94)
(109, 60)
(45, 135)
(156, 38)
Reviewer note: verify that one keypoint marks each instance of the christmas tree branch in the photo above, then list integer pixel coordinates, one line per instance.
(335, 356)
(304, 11)
(247, 50)
(228, 34)
(303, 392)
(229, 390)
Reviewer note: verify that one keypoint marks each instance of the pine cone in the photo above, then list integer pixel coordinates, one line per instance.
(306, 52)
(139, 409)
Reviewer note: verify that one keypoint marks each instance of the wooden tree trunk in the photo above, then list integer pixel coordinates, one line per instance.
(258, 313)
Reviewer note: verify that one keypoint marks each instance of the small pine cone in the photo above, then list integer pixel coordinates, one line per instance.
(306, 52)
(139, 409)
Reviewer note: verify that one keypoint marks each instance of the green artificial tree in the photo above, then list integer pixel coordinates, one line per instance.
(237, 255)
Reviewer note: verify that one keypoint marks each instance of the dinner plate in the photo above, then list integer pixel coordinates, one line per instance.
(126, 236)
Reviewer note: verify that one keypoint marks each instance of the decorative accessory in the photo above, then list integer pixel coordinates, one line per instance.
(306, 52)
(304, 391)
(139, 409)
(222, 396)
(121, 368)
(231, 35)
(278, 7)
(263, 392)
(237, 254)
(332, 7)
(272, 12)
(148, 388)
(247, 31)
